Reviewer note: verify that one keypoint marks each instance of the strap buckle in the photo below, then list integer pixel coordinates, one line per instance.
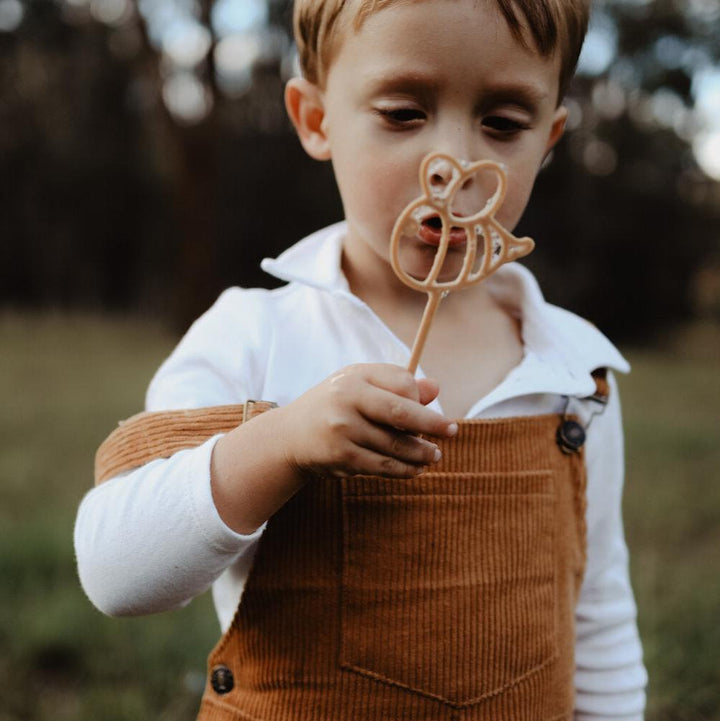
(252, 408)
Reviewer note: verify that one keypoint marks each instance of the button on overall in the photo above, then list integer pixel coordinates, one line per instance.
(222, 680)
(570, 436)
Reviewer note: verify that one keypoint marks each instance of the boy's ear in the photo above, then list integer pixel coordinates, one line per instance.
(557, 128)
(305, 105)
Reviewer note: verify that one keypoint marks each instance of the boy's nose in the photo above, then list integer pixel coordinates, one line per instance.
(471, 195)
(442, 172)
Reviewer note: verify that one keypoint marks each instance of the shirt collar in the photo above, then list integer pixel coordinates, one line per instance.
(314, 261)
(556, 336)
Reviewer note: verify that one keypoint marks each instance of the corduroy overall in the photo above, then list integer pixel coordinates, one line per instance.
(449, 596)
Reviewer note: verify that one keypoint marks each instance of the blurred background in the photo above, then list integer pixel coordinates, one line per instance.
(146, 164)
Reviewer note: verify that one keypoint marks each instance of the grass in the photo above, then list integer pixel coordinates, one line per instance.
(65, 381)
(672, 519)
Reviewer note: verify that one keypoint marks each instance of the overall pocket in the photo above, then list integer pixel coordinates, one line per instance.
(448, 582)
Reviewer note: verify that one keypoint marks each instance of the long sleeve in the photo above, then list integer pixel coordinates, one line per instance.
(152, 539)
(610, 677)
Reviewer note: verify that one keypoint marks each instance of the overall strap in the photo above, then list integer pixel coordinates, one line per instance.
(571, 433)
(159, 434)
(602, 386)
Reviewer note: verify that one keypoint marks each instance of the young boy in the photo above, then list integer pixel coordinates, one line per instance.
(370, 557)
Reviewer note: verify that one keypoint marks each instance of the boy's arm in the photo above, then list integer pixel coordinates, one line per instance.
(153, 539)
(610, 677)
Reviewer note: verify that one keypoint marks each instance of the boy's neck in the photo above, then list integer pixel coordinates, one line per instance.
(401, 307)
(383, 289)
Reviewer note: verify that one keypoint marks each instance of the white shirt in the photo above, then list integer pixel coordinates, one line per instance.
(152, 539)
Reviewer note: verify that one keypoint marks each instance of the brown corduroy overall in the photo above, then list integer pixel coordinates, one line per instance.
(449, 596)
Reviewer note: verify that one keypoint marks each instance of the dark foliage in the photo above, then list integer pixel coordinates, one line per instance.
(107, 202)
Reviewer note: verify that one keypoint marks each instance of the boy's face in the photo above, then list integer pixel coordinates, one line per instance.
(429, 75)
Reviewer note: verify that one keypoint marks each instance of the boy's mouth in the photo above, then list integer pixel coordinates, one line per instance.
(431, 232)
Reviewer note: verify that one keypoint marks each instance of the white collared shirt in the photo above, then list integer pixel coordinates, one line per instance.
(152, 539)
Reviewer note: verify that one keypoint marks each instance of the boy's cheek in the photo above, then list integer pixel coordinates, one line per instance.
(515, 203)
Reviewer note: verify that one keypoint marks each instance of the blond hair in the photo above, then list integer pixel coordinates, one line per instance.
(552, 25)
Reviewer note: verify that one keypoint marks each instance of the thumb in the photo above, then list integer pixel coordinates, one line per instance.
(428, 390)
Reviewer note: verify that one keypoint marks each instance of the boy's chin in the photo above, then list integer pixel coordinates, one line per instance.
(418, 263)
(448, 274)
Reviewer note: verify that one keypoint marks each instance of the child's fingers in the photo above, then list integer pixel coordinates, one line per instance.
(428, 389)
(398, 398)
(392, 378)
(389, 409)
(364, 419)
(378, 464)
(400, 446)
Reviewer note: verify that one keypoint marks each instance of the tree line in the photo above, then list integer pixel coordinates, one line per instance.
(110, 201)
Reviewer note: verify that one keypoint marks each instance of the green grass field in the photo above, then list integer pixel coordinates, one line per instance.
(65, 381)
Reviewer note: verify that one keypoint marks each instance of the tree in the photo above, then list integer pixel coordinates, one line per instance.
(641, 215)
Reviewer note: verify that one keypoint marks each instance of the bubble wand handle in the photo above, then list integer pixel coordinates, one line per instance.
(498, 245)
(423, 330)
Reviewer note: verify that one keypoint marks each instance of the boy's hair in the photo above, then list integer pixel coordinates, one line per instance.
(551, 24)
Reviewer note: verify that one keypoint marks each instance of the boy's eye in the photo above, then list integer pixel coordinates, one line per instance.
(502, 125)
(401, 116)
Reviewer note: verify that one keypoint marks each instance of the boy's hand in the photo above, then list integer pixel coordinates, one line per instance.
(364, 419)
